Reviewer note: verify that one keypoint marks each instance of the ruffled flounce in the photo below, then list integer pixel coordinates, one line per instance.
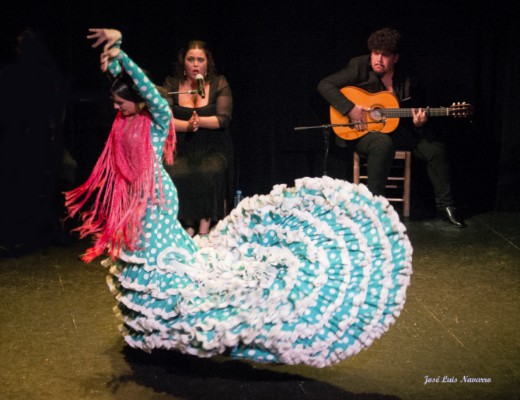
(305, 275)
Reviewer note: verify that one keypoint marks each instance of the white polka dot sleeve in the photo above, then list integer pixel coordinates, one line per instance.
(157, 105)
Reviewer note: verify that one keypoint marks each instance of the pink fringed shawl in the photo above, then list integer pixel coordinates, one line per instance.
(120, 187)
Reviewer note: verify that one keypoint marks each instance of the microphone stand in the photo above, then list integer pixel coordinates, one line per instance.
(194, 91)
(325, 129)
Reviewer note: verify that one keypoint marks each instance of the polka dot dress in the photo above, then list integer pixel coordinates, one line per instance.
(309, 274)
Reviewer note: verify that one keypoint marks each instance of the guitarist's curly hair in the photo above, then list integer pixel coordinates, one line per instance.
(385, 40)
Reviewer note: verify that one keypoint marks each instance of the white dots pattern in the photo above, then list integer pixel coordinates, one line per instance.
(290, 277)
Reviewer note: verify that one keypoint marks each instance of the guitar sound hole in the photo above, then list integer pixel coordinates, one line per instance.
(376, 115)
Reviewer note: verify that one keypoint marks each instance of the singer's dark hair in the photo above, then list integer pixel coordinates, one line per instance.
(178, 68)
(386, 40)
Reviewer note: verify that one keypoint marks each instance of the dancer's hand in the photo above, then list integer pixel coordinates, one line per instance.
(106, 56)
(109, 37)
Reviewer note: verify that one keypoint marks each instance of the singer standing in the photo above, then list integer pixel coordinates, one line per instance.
(202, 104)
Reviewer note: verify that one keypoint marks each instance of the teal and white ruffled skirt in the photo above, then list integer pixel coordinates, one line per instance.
(310, 274)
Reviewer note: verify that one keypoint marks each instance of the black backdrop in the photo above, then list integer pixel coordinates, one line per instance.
(275, 52)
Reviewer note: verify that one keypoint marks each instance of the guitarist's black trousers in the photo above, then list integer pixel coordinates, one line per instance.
(380, 148)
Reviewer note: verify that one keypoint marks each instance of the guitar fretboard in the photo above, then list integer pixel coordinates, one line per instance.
(407, 112)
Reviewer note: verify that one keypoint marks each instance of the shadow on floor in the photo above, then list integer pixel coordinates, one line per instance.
(189, 377)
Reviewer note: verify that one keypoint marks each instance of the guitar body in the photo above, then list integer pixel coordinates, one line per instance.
(374, 101)
(383, 115)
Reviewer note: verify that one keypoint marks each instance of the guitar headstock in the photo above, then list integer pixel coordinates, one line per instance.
(460, 110)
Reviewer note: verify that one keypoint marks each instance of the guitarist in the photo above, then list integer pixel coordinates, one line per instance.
(378, 72)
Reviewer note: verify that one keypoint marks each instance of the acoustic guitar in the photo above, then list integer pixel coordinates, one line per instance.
(384, 112)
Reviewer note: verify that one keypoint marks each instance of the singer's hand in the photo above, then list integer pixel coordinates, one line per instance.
(358, 116)
(110, 36)
(193, 122)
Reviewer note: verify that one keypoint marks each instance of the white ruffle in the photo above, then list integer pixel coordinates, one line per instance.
(310, 274)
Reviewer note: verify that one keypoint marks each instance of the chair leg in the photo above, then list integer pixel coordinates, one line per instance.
(406, 156)
(406, 185)
(355, 173)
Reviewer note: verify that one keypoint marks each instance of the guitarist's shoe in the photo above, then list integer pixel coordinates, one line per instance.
(448, 215)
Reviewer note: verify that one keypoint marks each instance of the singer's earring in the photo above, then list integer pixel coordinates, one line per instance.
(141, 105)
(184, 72)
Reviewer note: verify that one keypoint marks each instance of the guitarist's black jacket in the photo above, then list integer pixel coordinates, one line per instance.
(359, 73)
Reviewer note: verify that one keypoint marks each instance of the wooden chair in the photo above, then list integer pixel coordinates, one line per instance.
(398, 181)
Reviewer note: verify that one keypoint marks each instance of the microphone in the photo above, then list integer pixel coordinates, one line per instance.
(200, 81)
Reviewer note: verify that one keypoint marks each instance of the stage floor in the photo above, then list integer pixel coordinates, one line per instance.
(460, 327)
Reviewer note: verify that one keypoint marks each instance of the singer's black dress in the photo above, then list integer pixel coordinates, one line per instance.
(203, 166)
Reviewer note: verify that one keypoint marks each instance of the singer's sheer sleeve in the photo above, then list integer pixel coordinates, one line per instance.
(224, 102)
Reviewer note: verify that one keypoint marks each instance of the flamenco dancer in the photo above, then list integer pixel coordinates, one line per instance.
(309, 274)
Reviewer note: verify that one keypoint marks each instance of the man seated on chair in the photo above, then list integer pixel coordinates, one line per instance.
(377, 72)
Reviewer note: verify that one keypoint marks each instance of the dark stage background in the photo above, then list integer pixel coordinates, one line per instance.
(274, 53)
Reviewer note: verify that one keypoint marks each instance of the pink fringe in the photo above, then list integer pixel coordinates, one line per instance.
(169, 145)
(120, 186)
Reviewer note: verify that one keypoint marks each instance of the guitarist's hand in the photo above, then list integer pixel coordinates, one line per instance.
(358, 116)
(419, 117)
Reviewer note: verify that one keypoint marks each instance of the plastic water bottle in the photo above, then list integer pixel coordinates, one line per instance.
(238, 198)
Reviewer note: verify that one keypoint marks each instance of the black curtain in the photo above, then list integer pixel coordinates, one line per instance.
(507, 107)
(274, 54)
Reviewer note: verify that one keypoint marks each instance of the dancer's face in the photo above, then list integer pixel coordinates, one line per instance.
(126, 107)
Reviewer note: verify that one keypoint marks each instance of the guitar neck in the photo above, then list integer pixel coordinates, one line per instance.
(407, 112)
